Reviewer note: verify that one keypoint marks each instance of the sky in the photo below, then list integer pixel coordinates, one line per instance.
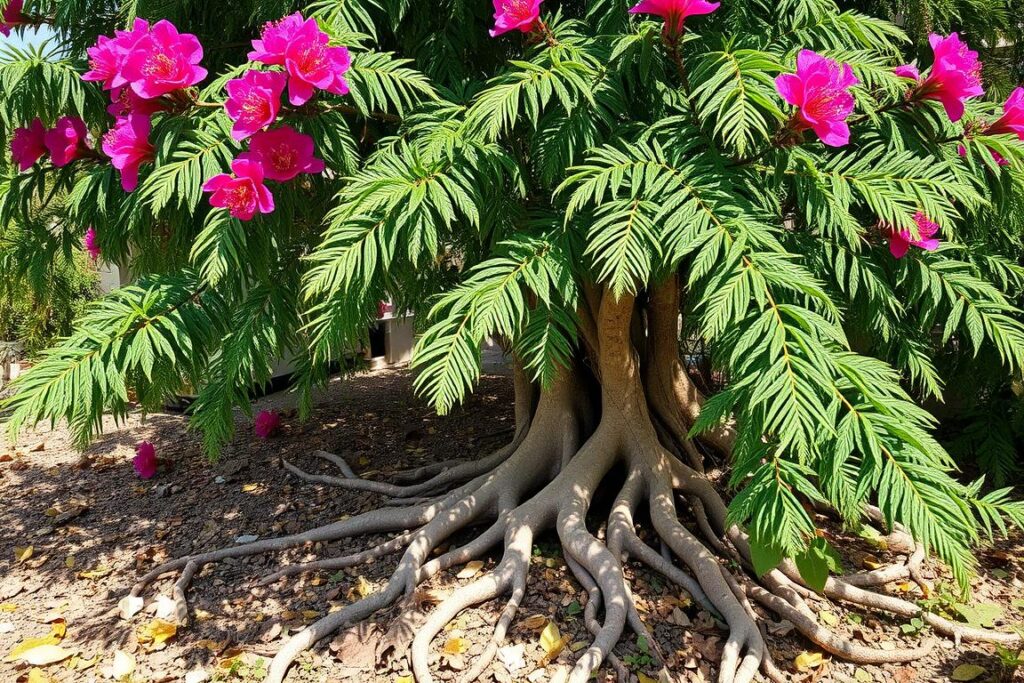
(30, 36)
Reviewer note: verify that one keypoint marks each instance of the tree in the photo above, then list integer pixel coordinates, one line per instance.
(591, 185)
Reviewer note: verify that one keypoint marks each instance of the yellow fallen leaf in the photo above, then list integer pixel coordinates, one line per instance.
(155, 634)
(8, 607)
(249, 488)
(871, 562)
(22, 553)
(51, 512)
(363, 587)
(456, 646)
(59, 628)
(79, 664)
(828, 618)
(45, 654)
(310, 614)
(967, 672)
(38, 676)
(97, 573)
(806, 661)
(69, 561)
(863, 676)
(644, 678)
(470, 570)
(404, 679)
(536, 622)
(579, 645)
(551, 640)
(30, 644)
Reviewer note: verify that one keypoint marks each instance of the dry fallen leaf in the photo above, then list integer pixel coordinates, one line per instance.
(362, 588)
(122, 667)
(967, 672)
(871, 562)
(22, 553)
(470, 570)
(45, 654)
(129, 606)
(456, 646)
(69, 561)
(536, 622)
(552, 641)
(644, 678)
(155, 634)
(97, 573)
(166, 608)
(76, 663)
(57, 632)
(38, 676)
(806, 661)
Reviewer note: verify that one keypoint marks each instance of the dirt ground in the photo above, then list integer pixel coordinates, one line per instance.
(94, 527)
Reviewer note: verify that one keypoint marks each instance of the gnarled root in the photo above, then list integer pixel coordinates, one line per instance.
(546, 480)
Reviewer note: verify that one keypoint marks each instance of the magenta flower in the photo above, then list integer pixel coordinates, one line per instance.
(267, 423)
(674, 12)
(12, 16)
(907, 71)
(821, 90)
(127, 144)
(996, 156)
(91, 243)
(274, 40)
(243, 192)
(65, 140)
(254, 101)
(163, 61)
(145, 460)
(107, 56)
(311, 64)
(900, 241)
(955, 76)
(512, 15)
(1012, 120)
(283, 153)
(28, 145)
(124, 101)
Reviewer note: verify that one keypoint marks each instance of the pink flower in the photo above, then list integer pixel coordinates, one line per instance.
(243, 193)
(145, 460)
(163, 61)
(267, 423)
(511, 15)
(124, 101)
(107, 56)
(12, 17)
(674, 12)
(28, 144)
(900, 241)
(955, 76)
(1012, 120)
(999, 158)
(907, 71)
(820, 88)
(65, 140)
(91, 243)
(254, 101)
(283, 153)
(274, 40)
(127, 144)
(311, 64)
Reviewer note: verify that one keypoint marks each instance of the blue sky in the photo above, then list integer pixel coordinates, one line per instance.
(30, 36)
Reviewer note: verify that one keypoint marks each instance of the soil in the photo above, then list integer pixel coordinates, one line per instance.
(94, 527)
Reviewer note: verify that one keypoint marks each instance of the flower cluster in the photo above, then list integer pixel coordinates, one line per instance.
(12, 16)
(145, 462)
(900, 241)
(91, 243)
(254, 104)
(955, 76)
(515, 15)
(267, 424)
(65, 142)
(674, 12)
(139, 67)
(303, 50)
(820, 89)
